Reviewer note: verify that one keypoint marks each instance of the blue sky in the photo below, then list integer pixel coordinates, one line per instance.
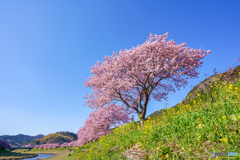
(47, 48)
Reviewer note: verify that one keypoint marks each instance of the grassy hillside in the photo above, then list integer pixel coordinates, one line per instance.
(58, 137)
(204, 85)
(210, 122)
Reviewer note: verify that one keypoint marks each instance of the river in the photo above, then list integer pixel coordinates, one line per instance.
(41, 156)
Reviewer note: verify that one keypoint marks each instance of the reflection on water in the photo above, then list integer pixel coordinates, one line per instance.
(41, 156)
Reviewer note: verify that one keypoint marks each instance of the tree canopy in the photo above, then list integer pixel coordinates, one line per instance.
(134, 76)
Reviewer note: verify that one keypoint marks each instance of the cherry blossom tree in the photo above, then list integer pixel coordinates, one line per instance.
(73, 144)
(64, 144)
(36, 146)
(100, 121)
(40, 146)
(47, 146)
(28, 146)
(56, 145)
(134, 76)
(4, 144)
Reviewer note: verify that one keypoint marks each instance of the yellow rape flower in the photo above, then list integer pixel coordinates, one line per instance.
(198, 119)
(224, 117)
(223, 139)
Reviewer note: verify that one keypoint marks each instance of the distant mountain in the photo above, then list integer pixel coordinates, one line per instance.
(20, 139)
(58, 137)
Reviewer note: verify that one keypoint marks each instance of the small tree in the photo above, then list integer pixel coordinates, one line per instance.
(134, 76)
(100, 121)
(4, 144)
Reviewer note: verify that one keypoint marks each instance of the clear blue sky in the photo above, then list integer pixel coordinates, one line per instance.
(47, 48)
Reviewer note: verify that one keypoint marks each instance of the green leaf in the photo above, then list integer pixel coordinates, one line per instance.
(233, 117)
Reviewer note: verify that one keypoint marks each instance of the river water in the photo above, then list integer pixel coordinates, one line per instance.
(41, 156)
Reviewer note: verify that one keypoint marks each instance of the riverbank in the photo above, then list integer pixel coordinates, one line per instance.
(16, 154)
(60, 153)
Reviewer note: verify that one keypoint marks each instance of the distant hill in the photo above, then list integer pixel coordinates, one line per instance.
(58, 137)
(20, 139)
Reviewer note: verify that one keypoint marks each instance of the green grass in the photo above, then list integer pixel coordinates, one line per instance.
(4, 151)
(208, 123)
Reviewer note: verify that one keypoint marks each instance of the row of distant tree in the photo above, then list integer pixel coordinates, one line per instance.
(6, 145)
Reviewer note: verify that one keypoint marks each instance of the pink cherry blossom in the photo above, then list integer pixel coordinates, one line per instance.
(134, 76)
(4, 144)
(99, 122)
(28, 146)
